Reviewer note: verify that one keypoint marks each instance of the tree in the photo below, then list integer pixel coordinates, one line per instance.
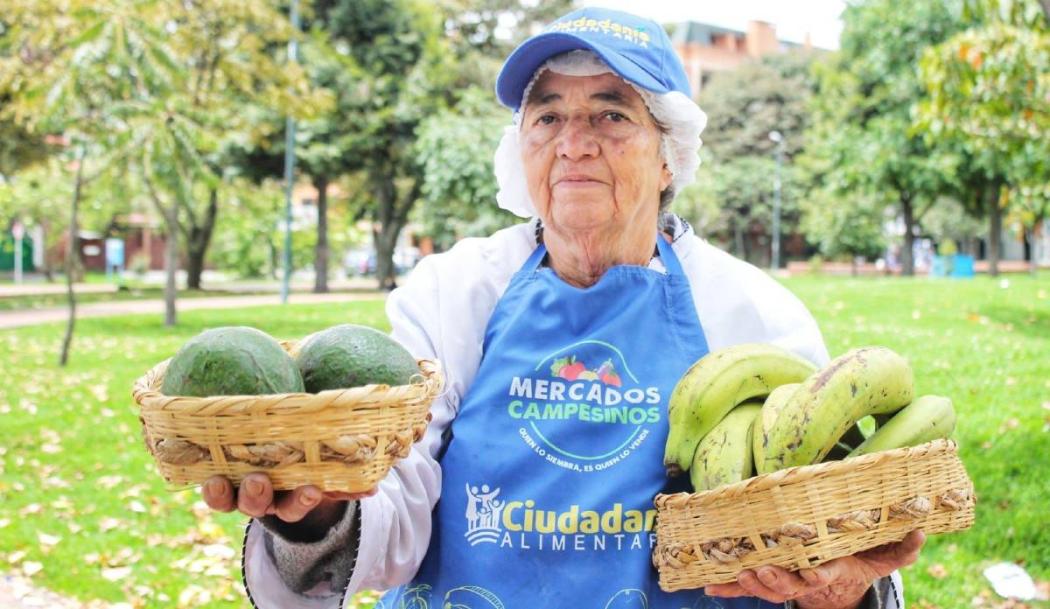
(1029, 206)
(455, 149)
(61, 82)
(988, 95)
(743, 107)
(853, 230)
(399, 62)
(324, 143)
(949, 220)
(865, 96)
(228, 52)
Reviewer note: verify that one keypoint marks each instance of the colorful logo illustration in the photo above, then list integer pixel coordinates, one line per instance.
(572, 369)
(590, 384)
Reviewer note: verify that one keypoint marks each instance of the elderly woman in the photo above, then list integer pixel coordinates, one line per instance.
(562, 339)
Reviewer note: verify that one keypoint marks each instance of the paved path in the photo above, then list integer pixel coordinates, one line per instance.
(16, 319)
(10, 290)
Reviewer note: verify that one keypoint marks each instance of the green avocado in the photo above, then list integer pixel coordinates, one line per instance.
(348, 355)
(231, 361)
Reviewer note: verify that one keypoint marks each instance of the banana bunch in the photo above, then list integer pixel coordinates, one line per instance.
(716, 384)
(758, 408)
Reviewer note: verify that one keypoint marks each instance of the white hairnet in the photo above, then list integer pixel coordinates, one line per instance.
(680, 117)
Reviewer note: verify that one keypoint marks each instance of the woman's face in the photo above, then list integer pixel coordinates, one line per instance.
(591, 153)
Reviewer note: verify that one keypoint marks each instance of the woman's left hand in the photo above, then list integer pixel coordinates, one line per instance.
(837, 584)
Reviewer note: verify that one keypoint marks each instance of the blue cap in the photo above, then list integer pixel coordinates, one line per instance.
(635, 48)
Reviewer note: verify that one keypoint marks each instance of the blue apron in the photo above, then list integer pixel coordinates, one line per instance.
(557, 450)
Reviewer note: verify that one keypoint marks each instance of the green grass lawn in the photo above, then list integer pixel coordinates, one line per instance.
(80, 498)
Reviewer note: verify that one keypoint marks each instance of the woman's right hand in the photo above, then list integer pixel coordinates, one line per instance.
(305, 512)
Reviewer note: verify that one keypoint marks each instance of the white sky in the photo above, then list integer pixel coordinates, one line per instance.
(792, 18)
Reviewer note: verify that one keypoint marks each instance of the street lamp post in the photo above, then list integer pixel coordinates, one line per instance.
(779, 140)
(289, 164)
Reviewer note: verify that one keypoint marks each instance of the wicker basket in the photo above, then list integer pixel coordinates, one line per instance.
(803, 516)
(338, 440)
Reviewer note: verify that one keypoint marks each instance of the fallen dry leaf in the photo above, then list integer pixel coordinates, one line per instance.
(115, 573)
(30, 568)
(194, 596)
(937, 571)
(32, 508)
(108, 523)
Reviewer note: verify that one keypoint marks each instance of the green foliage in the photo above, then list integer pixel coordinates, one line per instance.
(862, 150)
(742, 189)
(247, 240)
(989, 95)
(743, 107)
(18, 147)
(949, 220)
(482, 33)
(455, 148)
(845, 231)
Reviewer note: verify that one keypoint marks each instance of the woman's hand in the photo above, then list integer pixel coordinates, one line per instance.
(836, 584)
(309, 511)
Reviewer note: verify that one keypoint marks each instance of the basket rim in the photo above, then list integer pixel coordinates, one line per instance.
(801, 473)
(147, 395)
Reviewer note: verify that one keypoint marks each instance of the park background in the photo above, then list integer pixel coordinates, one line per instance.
(897, 182)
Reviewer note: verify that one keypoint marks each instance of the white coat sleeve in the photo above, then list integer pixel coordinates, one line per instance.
(740, 303)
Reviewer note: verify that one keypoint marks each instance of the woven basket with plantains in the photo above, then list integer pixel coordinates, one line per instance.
(338, 440)
(803, 516)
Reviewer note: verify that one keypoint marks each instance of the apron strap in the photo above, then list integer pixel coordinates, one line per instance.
(668, 257)
(535, 259)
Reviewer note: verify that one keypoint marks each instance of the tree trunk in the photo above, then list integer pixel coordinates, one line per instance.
(385, 242)
(995, 229)
(853, 265)
(391, 216)
(198, 240)
(321, 249)
(171, 265)
(908, 250)
(170, 213)
(738, 239)
(72, 256)
(45, 225)
(1033, 260)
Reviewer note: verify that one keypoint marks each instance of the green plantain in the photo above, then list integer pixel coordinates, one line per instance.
(929, 417)
(723, 456)
(776, 400)
(870, 380)
(715, 384)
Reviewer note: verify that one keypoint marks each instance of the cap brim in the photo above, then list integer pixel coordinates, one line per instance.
(523, 62)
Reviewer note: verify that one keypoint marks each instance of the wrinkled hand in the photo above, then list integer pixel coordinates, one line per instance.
(306, 505)
(837, 584)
